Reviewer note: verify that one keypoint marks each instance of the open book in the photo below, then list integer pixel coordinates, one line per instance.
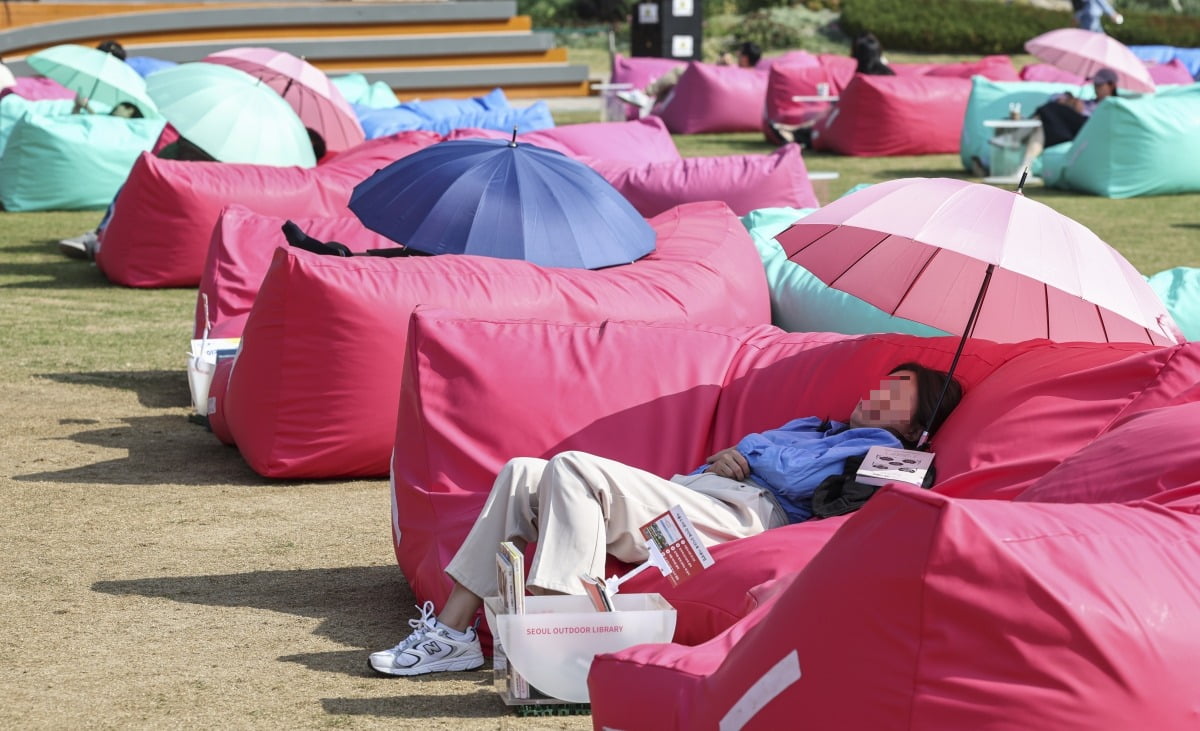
(888, 464)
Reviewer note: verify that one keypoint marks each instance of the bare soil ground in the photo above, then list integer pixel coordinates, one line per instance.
(148, 578)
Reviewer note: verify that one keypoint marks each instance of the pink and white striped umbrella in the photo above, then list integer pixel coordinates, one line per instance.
(1083, 52)
(921, 249)
(306, 88)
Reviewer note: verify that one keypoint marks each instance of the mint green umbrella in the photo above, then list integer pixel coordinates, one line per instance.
(93, 74)
(231, 115)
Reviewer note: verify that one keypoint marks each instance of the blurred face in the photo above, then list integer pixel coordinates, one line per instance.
(890, 405)
(1103, 91)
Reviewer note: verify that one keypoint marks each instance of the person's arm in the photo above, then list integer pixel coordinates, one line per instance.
(794, 469)
(1108, 10)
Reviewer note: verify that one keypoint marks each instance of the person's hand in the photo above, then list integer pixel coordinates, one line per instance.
(1118, 18)
(729, 463)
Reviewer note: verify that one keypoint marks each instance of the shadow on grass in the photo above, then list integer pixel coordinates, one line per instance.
(57, 273)
(482, 703)
(155, 389)
(159, 449)
(1185, 225)
(359, 606)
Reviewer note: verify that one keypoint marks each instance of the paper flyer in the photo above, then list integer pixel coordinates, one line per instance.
(676, 539)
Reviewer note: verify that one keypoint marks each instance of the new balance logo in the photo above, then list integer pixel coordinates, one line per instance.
(431, 648)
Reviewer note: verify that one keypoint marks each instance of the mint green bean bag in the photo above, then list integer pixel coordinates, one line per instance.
(1134, 146)
(800, 302)
(990, 100)
(13, 107)
(70, 162)
(359, 92)
(1179, 289)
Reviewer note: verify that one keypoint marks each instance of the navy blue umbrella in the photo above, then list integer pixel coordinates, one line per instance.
(503, 199)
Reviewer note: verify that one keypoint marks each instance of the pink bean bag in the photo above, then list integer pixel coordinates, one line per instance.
(895, 115)
(1172, 72)
(925, 612)
(786, 81)
(316, 386)
(163, 218)
(996, 68)
(642, 141)
(744, 182)
(243, 245)
(842, 69)
(35, 88)
(1029, 406)
(712, 98)
(1053, 74)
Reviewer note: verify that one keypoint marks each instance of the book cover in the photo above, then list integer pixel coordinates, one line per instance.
(683, 555)
(510, 578)
(597, 592)
(889, 464)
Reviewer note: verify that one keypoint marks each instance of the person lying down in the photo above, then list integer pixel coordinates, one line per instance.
(581, 508)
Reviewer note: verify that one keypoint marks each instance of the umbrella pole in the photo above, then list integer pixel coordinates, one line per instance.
(962, 343)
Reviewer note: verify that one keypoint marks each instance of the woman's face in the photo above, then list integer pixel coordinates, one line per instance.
(1104, 91)
(890, 405)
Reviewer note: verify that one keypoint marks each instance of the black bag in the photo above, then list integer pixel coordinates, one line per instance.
(1078, 5)
(841, 494)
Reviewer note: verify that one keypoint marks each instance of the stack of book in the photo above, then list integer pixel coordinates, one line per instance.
(510, 576)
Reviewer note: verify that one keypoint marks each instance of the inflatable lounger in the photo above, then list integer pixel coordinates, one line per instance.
(1028, 407)
(316, 387)
(878, 116)
(71, 161)
(163, 220)
(1133, 146)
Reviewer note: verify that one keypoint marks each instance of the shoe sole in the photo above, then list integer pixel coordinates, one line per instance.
(442, 666)
(72, 251)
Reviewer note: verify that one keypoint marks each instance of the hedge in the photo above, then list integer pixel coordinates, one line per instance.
(981, 27)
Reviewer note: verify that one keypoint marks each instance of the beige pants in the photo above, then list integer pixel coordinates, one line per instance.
(579, 507)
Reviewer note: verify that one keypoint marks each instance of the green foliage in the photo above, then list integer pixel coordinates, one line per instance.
(775, 29)
(982, 27)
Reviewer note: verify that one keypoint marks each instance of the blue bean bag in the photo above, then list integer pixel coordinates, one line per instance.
(1133, 146)
(1190, 57)
(446, 115)
(1179, 289)
(990, 100)
(72, 161)
(146, 65)
(800, 302)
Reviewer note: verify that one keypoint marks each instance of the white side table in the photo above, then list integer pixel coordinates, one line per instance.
(1006, 161)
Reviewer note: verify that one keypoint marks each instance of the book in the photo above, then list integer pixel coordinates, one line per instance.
(597, 592)
(510, 578)
(882, 465)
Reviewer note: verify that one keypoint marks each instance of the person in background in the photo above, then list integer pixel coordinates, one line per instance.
(1089, 12)
(868, 51)
(580, 508)
(748, 55)
(1063, 115)
(114, 49)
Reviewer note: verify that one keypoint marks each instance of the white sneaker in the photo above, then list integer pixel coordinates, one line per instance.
(429, 649)
(638, 98)
(82, 246)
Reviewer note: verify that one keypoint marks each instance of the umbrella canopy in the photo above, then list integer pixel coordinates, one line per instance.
(93, 74)
(1083, 52)
(924, 248)
(503, 199)
(231, 115)
(305, 87)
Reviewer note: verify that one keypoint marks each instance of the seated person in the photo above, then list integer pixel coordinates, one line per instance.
(1062, 116)
(116, 50)
(868, 51)
(580, 507)
(748, 55)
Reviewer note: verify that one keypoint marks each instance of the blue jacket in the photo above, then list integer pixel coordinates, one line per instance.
(791, 461)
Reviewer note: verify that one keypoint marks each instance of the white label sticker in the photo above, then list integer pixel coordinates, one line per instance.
(647, 13)
(682, 46)
(683, 8)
